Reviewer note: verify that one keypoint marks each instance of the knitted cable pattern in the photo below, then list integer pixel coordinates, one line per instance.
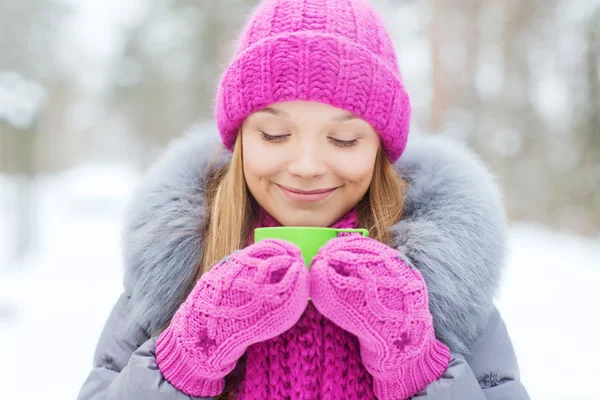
(368, 289)
(336, 52)
(367, 333)
(315, 359)
(252, 295)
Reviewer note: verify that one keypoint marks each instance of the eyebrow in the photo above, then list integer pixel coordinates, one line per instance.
(273, 111)
(340, 118)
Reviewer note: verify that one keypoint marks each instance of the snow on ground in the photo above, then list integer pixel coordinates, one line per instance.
(58, 299)
(549, 301)
(54, 302)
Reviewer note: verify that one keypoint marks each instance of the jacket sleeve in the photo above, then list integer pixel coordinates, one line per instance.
(490, 372)
(125, 365)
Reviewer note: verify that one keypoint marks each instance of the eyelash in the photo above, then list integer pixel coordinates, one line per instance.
(271, 138)
(280, 138)
(344, 143)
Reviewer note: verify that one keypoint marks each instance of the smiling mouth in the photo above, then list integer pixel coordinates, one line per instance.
(315, 191)
(304, 196)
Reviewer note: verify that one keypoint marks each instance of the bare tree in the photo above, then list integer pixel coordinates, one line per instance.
(28, 31)
(178, 52)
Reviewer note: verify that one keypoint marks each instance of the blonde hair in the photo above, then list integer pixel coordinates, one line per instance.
(232, 210)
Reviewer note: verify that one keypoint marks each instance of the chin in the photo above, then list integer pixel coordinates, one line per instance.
(306, 218)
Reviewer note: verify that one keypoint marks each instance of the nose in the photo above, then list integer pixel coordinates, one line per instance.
(307, 161)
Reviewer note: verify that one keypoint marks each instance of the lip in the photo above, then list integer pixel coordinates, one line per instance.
(306, 196)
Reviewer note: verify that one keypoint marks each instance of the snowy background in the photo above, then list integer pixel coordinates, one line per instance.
(90, 91)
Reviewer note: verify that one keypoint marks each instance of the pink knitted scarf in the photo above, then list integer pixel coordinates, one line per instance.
(315, 359)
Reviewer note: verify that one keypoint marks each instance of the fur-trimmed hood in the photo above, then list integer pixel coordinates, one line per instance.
(453, 230)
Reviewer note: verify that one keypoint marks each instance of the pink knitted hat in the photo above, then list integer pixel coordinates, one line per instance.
(336, 52)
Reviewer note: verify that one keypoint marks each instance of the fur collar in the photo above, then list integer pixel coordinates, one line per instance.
(453, 231)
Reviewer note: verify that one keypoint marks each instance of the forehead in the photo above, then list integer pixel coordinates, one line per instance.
(316, 110)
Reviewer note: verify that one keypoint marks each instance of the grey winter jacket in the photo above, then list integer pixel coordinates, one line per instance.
(453, 230)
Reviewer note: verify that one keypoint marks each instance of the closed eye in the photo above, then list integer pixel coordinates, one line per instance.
(273, 138)
(281, 138)
(343, 143)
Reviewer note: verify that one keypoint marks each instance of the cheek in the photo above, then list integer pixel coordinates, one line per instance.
(259, 162)
(357, 170)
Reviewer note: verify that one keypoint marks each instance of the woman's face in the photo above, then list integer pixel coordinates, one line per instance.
(307, 163)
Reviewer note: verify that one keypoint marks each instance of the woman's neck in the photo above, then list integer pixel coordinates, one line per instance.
(263, 219)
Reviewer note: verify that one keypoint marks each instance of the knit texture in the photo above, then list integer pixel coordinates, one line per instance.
(315, 359)
(370, 290)
(336, 52)
(252, 295)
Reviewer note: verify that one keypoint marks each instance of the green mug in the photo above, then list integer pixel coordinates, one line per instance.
(308, 238)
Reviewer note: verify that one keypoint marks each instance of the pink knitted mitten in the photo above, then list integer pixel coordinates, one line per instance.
(367, 289)
(252, 295)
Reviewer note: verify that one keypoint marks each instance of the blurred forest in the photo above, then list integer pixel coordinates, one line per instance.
(518, 80)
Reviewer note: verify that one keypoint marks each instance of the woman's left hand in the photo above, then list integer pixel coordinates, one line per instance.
(368, 289)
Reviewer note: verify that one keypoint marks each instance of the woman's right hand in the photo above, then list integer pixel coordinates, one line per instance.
(250, 296)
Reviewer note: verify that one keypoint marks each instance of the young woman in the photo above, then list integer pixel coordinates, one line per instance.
(314, 119)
